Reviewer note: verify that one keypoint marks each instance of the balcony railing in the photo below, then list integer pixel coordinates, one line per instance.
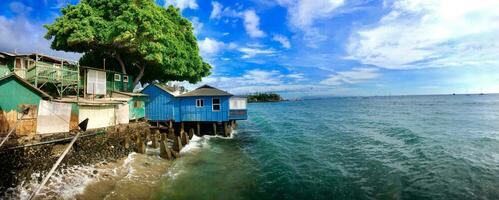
(44, 72)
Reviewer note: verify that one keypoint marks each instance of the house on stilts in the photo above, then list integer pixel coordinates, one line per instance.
(206, 108)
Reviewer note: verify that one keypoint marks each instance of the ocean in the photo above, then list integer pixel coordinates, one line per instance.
(399, 147)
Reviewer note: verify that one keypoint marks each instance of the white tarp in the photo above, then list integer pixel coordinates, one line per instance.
(98, 116)
(122, 114)
(96, 82)
(237, 103)
(53, 117)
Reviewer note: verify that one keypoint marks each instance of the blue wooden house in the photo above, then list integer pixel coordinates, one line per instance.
(161, 106)
(204, 104)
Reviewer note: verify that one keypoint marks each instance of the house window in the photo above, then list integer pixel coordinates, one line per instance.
(117, 77)
(216, 104)
(199, 103)
(125, 78)
(138, 104)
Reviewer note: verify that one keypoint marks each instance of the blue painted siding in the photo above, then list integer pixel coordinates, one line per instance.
(189, 111)
(161, 105)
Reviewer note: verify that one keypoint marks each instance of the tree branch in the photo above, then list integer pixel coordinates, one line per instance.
(122, 64)
(140, 75)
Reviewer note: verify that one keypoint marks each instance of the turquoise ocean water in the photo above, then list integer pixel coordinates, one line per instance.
(411, 147)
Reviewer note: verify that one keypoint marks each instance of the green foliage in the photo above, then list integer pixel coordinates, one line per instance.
(137, 35)
(264, 97)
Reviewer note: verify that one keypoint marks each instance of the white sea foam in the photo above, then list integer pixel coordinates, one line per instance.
(65, 183)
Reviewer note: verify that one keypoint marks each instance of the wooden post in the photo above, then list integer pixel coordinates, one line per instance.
(191, 133)
(226, 131)
(171, 134)
(215, 128)
(199, 129)
(127, 142)
(141, 147)
(177, 144)
(170, 124)
(164, 151)
(184, 138)
(154, 141)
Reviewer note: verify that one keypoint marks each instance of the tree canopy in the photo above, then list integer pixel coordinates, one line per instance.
(152, 42)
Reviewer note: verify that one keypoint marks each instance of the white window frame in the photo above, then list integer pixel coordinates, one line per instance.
(125, 78)
(117, 77)
(213, 105)
(199, 105)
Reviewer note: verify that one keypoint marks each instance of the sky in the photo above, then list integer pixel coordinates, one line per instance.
(317, 48)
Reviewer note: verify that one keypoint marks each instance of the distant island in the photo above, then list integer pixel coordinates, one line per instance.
(264, 97)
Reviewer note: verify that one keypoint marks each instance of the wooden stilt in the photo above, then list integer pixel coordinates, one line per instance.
(164, 151)
(154, 140)
(141, 146)
(226, 131)
(171, 133)
(199, 129)
(185, 138)
(214, 128)
(177, 144)
(191, 133)
(127, 142)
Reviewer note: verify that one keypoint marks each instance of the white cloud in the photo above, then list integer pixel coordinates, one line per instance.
(209, 46)
(303, 14)
(431, 33)
(252, 24)
(252, 52)
(197, 25)
(216, 13)
(21, 35)
(283, 40)
(296, 76)
(182, 4)
(356, 75)
(250, 18)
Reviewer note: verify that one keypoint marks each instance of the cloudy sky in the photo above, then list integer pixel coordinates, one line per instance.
(308, 48)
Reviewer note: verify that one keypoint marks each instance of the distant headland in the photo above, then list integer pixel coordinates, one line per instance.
(264, 97)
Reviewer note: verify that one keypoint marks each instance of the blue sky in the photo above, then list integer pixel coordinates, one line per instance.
(310, 48)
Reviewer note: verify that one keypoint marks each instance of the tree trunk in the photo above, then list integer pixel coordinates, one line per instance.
(122, 64)
(141, 74)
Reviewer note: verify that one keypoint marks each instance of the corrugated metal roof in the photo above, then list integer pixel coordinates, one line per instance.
(28, 85)
(205, 90)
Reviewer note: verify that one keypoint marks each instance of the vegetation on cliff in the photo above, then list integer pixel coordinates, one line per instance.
(137, 36)
(264, 97)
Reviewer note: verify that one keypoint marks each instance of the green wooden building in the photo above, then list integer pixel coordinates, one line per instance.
(42, 71)
(103, 82)
(136, 103)
(16, 94)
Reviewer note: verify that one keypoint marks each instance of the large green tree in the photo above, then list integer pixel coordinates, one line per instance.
(139, 36)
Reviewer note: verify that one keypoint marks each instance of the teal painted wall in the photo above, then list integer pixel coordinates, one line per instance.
(137, 113)
(13, 93)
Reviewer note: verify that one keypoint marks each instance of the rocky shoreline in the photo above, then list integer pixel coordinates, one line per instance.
(19, 161)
